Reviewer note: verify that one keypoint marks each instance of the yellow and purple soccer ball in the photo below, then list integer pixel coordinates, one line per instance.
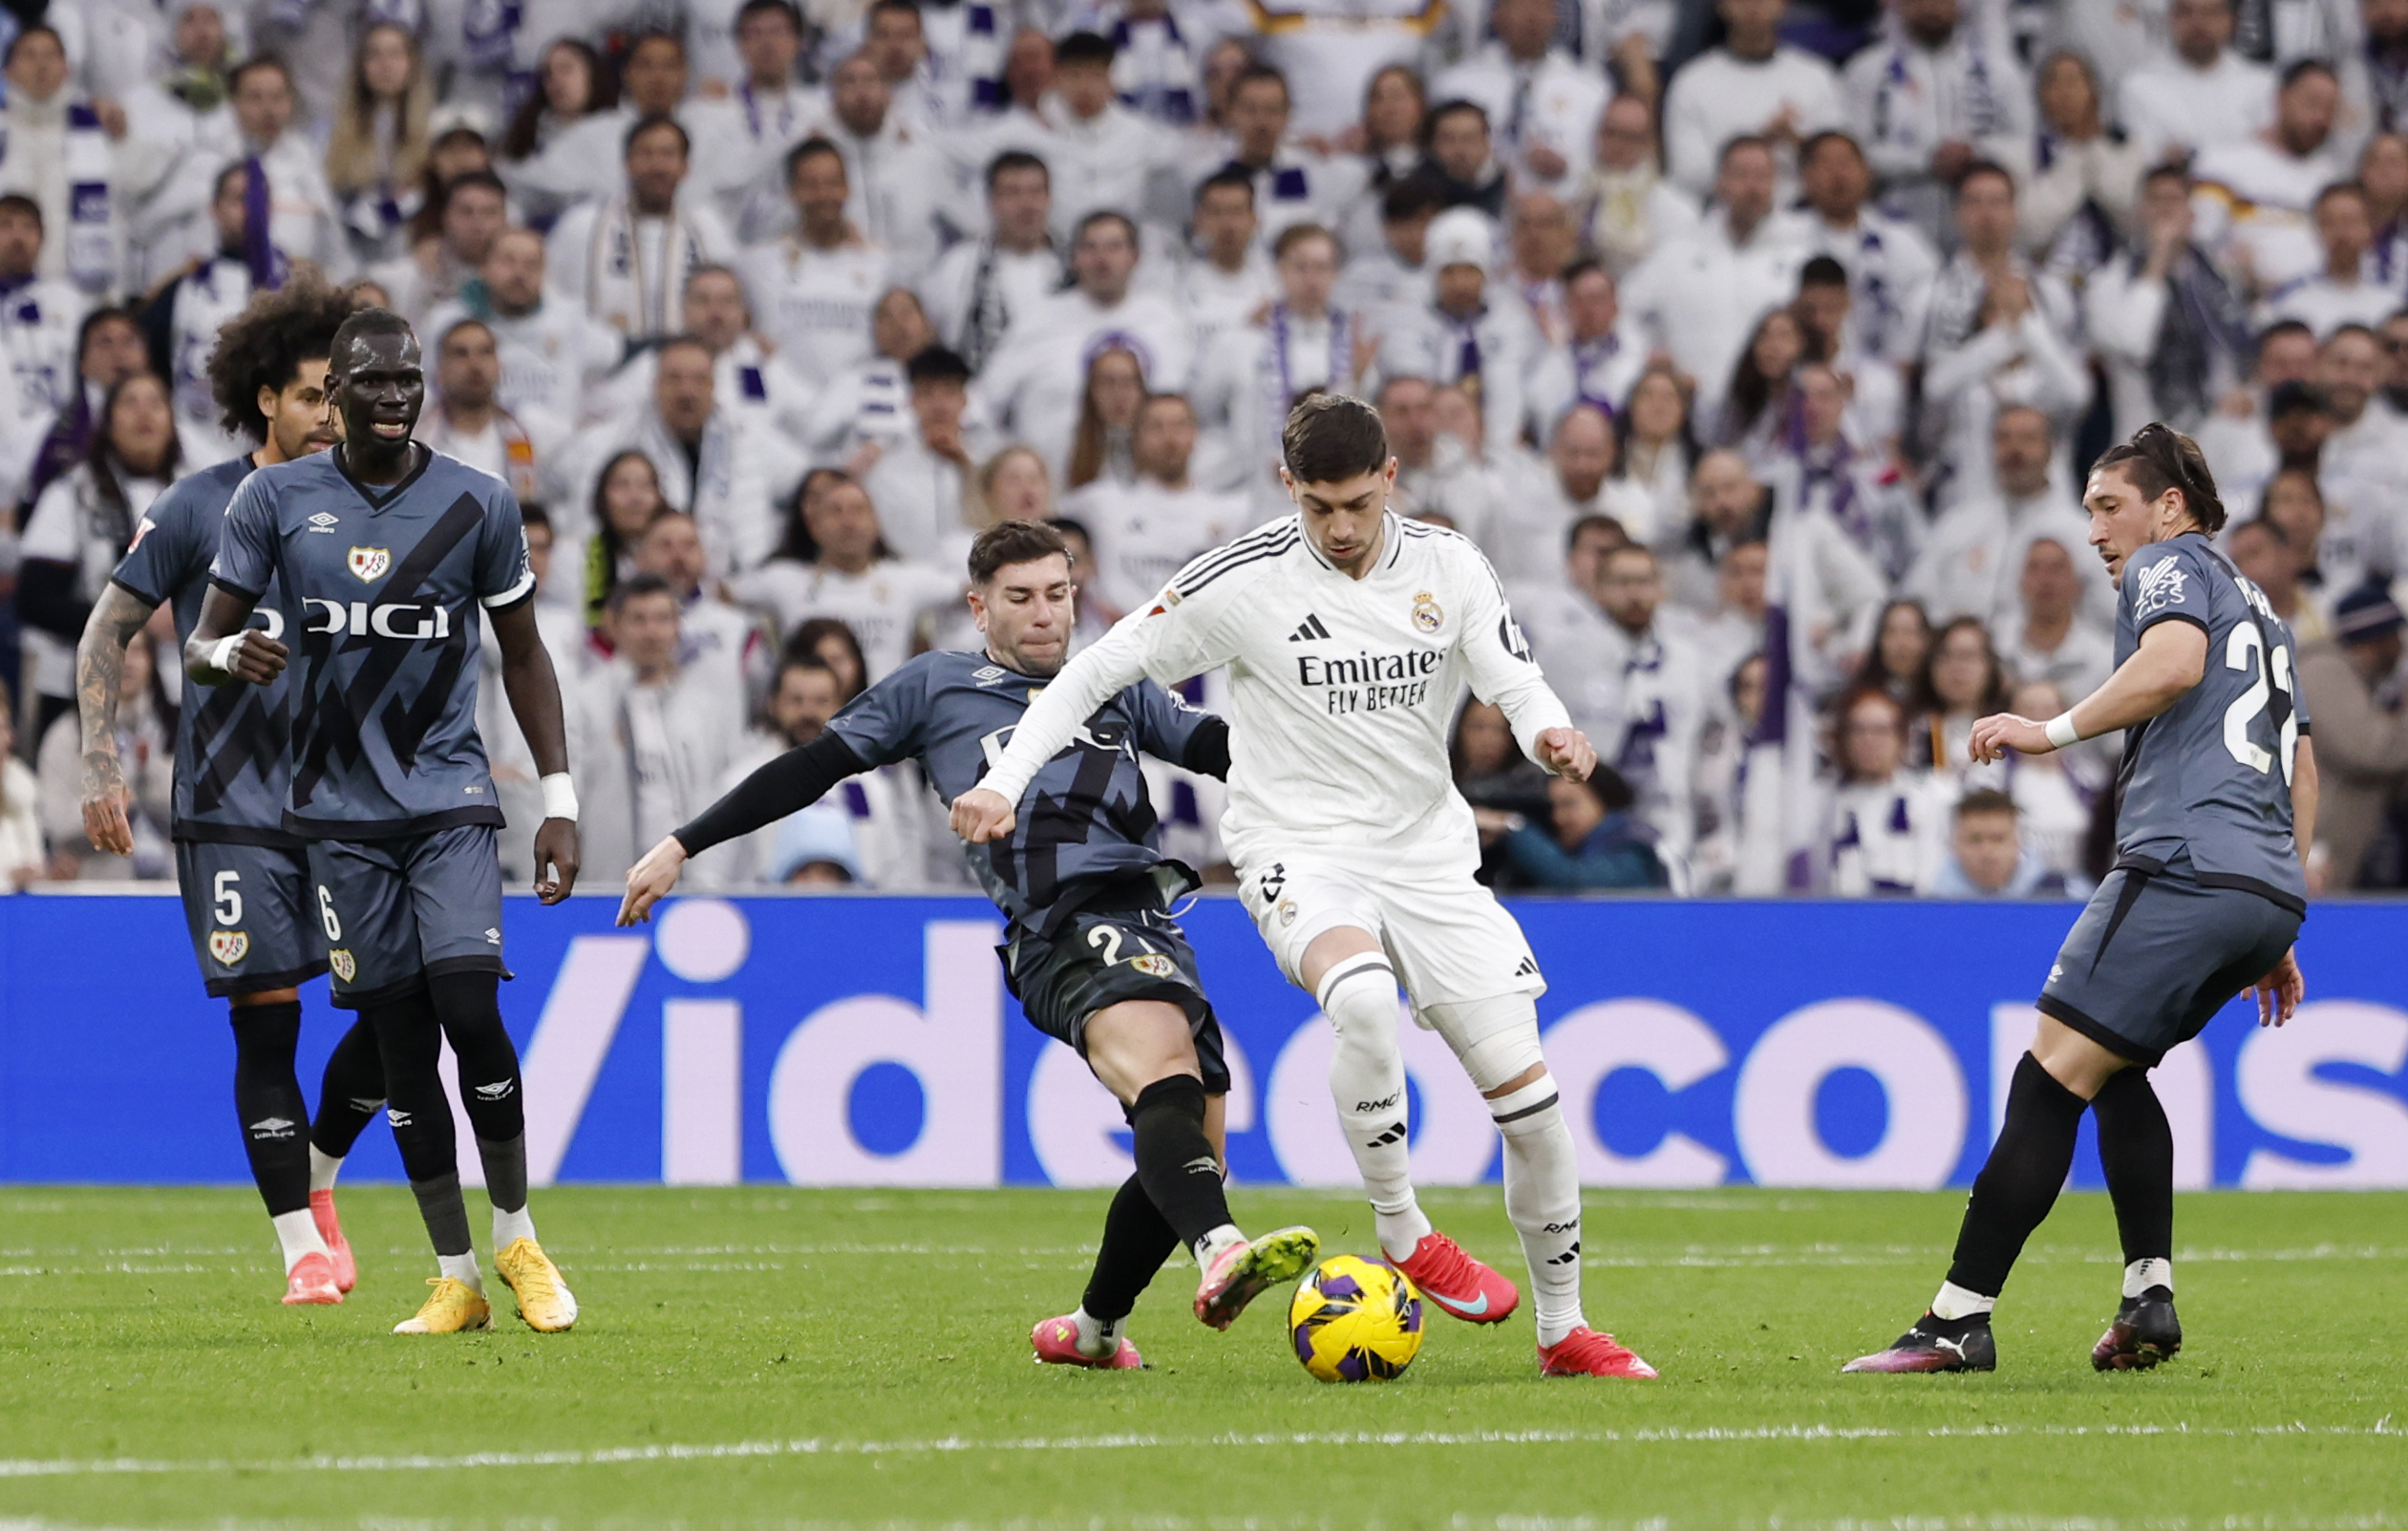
(1356, 1321)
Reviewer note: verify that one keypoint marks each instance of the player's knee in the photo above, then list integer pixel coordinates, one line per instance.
(265, 1036)
(1181, 1094)
(1358, 994)
(1497, 1041)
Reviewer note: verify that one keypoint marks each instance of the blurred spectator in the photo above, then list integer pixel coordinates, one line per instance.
(1987, 856)
(1107, 419)
(181, 110)
(1652, 709)
(652, 737)
(2047, 637)
(1596, 360)
(2237, 439)
(1963, 682)
(1563, 616)
(2338, 291)
(1894, 660)
(2077, 205)
(1290, 187)
(1624, 207)
(1657, 450)
(1883, 830)
(626, 499)
(624, 258)
(1817, 468)
(1227, 278)
(871, 401)
(832, 642)
(109, 350)
(921, 482)
(21, 859)
(2264, 553)
(1436, 475)
(2374, 73)
(2054, 793)
(2294, 505)
(1543, 102)
(741, 138)
(378, 141)
(1890, 265)
(1499, 782)
(464, 420)
(1389, 270)
(979, 287)
(1542, 246)
(81, 526)
(146, 746)
(2174, 334)
(1752, 86)
(1255, 369)
(1936, 94)
(570, 86)
(180, 324)
(70, 154)
(710, 631)
(840, 565)
(1592, 842)
(38, 322)
(901, 183)
(1759, 405)
(1146, 530)
(2350, 687)
(2363, 464)
(300, 205)
(1463, 332)
(1697, 298)
(2197, 94)
(472, 210)
(1459, 158)
(2254, 193)
(806, 695)
(1015, 487)
(1973, 556)
(581, 157)
(1546, 497)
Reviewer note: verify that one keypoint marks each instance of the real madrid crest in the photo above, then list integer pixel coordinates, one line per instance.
(341, 962)
(370, 563)
(1427, 614)
(229, 947)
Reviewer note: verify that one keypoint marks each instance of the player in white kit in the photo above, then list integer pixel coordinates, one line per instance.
(1349, 635)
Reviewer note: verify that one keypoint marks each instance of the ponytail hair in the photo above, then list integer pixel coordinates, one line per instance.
(2160, 457)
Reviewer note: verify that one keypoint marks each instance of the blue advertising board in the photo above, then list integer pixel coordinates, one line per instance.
(853, 1041)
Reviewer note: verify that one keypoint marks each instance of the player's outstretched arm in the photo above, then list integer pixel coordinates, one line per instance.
(224, 646)
(2171, 660)
(534, 692)
(794, 780)
(99, 664)
(1114, 663)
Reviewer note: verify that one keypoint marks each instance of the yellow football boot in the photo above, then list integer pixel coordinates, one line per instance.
(453, 1305)
(544, 1298)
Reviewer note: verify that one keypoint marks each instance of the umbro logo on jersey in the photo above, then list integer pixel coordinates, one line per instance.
(325, 520)
(370, 563)
(989, 675)
(1311, 629)
(493, 937)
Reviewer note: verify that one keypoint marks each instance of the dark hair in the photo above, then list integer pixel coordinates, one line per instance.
(1985, 167)
(19, 203)
(526, 124)
(1854, 697)
(796, 542)
(1295, 234)
(1816, 141)
(807, 636)
(1594, 522)
(783, 8)
(909, 8)
(1751, 392)
(465, 321)
(1410, 196)
(1872, 672)
(266, 344)
(39, 28)
(1583, 266)
(1091, 444)
(532, 514)
(1440, 113)
(2172, 172)
(1985, 800)
(1823, 271)
(2159, 458)
(1071, 527)
(100, 456)
(474, 178)
(1083, 47)
(105, 313)
(1330, 438)
(1014, 541)
(1012, 160)
(937, 364)
(652, 34)
(1737, 142)
(1225, 178)
(650, 121)
(816, 144)
(603, 547)
(2284, 327)
(1612, 790)
(635, 585)
(2262, 523)
(1253, 74)
(1105, 215)
(2301, 68)
(1927, 700)
(257, 61)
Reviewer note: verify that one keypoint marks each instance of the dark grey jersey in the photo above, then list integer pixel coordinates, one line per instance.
(386, 586)
(2211, 775)
(231, 768)
(1085, 818)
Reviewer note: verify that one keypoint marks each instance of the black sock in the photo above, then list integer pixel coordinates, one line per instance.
(2019, 1182)
(469, 1006)
(2136, 1147)
(1136, 1242)
(269, 1103)
(409, 1041)
(1175, 1159)
(352, 1093)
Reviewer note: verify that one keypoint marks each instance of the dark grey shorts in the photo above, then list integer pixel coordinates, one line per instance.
(399, 911)
(250, 909)
(2156, 954)
(1098, 960)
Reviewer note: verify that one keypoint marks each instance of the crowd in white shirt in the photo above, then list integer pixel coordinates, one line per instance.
(1761, 354)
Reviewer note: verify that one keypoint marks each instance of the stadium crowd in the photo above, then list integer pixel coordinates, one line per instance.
(1761, 347)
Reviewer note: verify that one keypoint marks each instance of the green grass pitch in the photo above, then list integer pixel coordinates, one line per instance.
(763, 1356)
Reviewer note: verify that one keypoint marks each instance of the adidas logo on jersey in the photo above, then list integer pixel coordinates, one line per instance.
(1529, 969)
(1311, 629)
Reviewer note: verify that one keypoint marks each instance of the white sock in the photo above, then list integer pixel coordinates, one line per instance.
(461, 1268)
(1097, 1337)
(323, 1168)
(1954, 1301)
(298, 1233)
(1542, 1202)
(1212, 1244)
(508, 1227)
(1367, 1080)
(2142, 1274)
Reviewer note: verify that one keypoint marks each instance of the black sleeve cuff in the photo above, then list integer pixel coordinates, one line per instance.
(137, 592)
(796, 779)
(1208, 749)
(232, 589)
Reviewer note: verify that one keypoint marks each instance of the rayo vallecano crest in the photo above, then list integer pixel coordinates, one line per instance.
(370, 563)
(229, 947)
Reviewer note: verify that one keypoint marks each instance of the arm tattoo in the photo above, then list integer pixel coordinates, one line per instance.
(116, 617)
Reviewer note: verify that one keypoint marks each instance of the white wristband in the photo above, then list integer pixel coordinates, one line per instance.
(222, 653)
(2061, 731)
(559, 796)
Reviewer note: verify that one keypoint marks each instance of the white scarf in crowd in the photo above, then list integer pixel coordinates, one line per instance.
(639, 297)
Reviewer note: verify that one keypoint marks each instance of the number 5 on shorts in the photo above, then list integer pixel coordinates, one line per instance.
(326, 914)
(225, 892)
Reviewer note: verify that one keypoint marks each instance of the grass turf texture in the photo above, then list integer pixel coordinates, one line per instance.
(863, 1357)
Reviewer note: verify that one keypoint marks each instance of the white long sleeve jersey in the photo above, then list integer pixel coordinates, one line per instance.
(1341, 690)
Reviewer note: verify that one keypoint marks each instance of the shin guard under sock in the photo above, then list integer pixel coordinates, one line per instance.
(409, 1041)
(2136, 1148)
(350, 1093)
(1367, 1081)
(2019, 1182)
(269, 1103)
(1136, 1242)
(1542, 1200)
(469, 1008)
(1175, 1159)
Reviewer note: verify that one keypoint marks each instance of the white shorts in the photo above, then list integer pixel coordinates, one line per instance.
(1448, 938)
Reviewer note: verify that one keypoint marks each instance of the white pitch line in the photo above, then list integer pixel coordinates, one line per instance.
(948, 1445)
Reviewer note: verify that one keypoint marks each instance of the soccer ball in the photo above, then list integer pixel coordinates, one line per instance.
(1353, 1321)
